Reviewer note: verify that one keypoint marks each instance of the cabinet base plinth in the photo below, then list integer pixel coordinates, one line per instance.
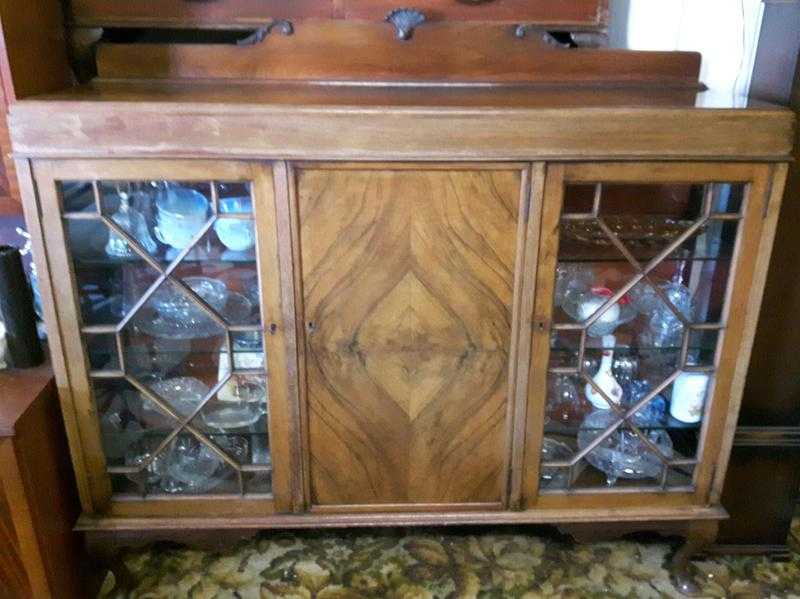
(634, 519)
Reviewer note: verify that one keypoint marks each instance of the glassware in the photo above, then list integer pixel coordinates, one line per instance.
(556, 451)
(565, 404)
(590, 365)
(237, 310)
(248, 353)
(259, 450)
(174, 333)
(234, 415)
(182, 394)
(156, 356)
(170, 312)
(174, 303)
(623, 454)
(243, 399)
(636, 231)
(132, 222)
(236, 234)
(181, 215)
(240, 403)
(654, 412)
(625, 366)
(192, 466)
(571, 278)
(139, 452)
(583, 305)
(118, 429)
(644, 298)
(665, 328)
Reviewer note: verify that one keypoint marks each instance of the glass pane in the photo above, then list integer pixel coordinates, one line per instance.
(77, 197)
(728, 198)
(102, 352)
(129, 424)
(164, 270)
(258, 483)
(639, 311)
(108, 286)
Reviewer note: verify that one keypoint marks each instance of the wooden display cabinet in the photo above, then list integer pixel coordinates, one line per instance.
(293, 304)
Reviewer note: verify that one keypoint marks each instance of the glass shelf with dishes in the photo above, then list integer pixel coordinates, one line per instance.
(169, 296)
(639, 308)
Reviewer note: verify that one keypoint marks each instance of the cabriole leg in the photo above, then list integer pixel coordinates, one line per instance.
(699, 535)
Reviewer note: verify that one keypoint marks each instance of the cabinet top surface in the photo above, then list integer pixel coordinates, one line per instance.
(364, 96)
(396, 122)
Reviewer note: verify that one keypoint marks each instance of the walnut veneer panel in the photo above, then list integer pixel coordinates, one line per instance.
(408, 283)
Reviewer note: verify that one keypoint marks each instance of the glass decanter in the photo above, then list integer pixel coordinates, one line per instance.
(132, 222)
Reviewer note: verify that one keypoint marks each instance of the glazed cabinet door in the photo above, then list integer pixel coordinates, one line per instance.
(173, 333)
(647, 290)
(407, 276)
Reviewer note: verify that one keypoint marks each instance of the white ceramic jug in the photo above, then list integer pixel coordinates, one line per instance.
(604, 379)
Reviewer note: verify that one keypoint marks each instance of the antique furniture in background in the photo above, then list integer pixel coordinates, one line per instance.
(41, 555)
(297, 283)
(33, 59)
(765, 463)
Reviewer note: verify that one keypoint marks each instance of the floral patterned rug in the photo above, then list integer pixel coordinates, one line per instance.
(437, 564)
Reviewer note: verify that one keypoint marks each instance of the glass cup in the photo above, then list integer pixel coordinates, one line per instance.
(181, 214)
(235, 234)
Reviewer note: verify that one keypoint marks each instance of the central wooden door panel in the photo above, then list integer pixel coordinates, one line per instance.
(408, 280)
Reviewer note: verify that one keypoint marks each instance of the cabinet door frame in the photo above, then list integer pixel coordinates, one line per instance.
(531, 186)
(748, 273)
(70, 363)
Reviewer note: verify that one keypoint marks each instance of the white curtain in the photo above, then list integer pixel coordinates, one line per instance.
(725, 32)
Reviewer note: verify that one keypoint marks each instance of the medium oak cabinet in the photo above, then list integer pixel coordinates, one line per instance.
(399, 336)
(356, 311)
(311, 264)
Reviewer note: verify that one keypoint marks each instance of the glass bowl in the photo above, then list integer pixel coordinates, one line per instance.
(183, 394)
(623, 454)
(138, 452)
(174, 304)
(236, 234)
(192, 467)
(583, 305)
(556, 451)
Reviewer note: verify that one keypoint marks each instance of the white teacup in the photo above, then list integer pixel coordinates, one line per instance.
(182, 213)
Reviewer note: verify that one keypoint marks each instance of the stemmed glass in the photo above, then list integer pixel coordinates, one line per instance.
(133, 222)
